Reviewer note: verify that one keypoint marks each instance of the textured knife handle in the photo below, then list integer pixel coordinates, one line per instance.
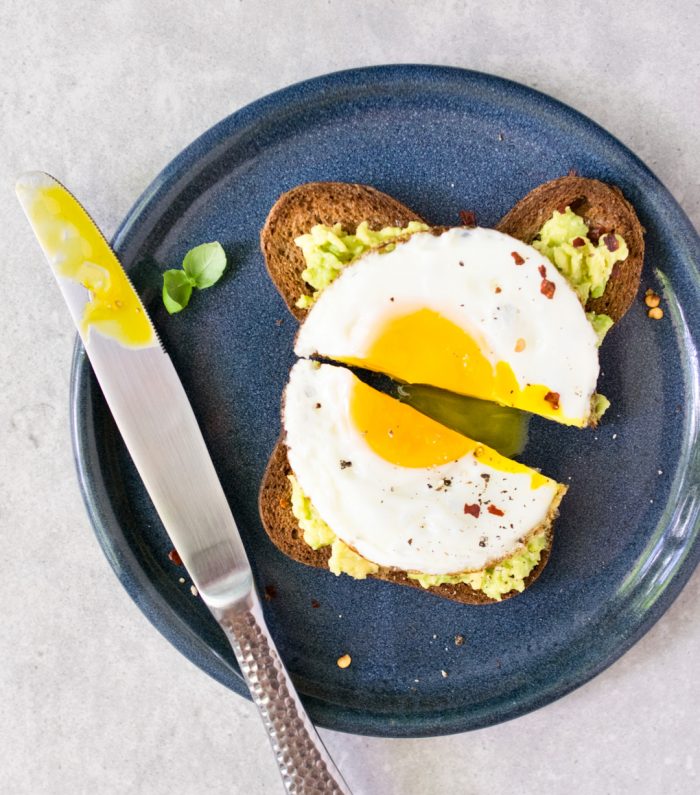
(304, 763)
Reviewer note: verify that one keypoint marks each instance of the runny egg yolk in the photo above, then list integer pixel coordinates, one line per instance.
(403, 436)
(426, 348)
(78, 252)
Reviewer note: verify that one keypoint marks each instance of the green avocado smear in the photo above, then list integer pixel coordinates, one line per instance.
(329, 249)
(495, 581)
(564, 240)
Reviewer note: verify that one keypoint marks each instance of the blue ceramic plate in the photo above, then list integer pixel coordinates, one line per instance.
(440, 140)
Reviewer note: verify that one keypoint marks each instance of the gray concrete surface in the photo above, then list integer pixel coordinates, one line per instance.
(92, 699)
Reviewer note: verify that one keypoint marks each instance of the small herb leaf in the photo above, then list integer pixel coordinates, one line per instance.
(204, 264)
(177, 289)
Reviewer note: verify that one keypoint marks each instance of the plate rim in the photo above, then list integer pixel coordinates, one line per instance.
(124, 563)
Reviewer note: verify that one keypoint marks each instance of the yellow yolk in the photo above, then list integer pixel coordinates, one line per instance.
(405, 437)
(426, 348)
(78, 252)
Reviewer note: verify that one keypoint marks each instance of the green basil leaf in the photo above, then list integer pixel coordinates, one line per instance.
(204, 264)
(177, 289)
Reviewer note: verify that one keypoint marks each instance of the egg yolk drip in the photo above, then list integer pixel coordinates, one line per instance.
(403, 436)
(78, 252)
(426, 348)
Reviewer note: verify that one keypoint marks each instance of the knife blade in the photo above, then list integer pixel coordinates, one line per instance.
(154, 416)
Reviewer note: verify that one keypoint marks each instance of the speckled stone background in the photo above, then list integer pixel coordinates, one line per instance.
(92, 698)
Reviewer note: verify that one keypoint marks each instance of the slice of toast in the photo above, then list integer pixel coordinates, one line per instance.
(283, 530)
(297, 210)
(604, 209)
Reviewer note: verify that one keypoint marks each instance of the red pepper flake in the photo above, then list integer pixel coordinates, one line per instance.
(547, 288)
(553, 399)
(270, 592)
(468, 218)
(611, 242)
(174, 557)
(495, 511)
(518, 259)
(497, 290)
(577, 242)
(315, 604)
(473, 510)
(543, 271)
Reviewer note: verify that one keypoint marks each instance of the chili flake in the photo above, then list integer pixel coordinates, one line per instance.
(468, 218)
(547, 288)
(553, 399)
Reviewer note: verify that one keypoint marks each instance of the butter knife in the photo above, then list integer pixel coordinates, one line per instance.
(154, 416)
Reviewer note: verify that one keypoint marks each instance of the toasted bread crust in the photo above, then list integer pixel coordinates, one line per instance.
(283, 530)
(602, 207)
(297, 210)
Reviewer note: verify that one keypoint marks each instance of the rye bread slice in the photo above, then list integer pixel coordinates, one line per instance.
(604, 209)
(283, 530)
(297, 210)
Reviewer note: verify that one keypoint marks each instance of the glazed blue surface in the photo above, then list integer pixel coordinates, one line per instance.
(440, 140)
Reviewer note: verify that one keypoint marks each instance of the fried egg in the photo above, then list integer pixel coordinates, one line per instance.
(401, 489)
(473, 311)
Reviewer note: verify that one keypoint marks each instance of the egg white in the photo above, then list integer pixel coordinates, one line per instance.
(410, 518)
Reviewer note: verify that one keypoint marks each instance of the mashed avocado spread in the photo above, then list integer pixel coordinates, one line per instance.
(328, 249)
(316, 532)
(510, 574)
(501, 578)
(564, 240)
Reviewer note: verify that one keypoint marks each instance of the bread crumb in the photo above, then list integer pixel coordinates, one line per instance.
(182, 580)
(270, 593)
(344, 661)
(443, 674)
(652, 299)
(193, 590)
(660, 472)
(459, 640)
